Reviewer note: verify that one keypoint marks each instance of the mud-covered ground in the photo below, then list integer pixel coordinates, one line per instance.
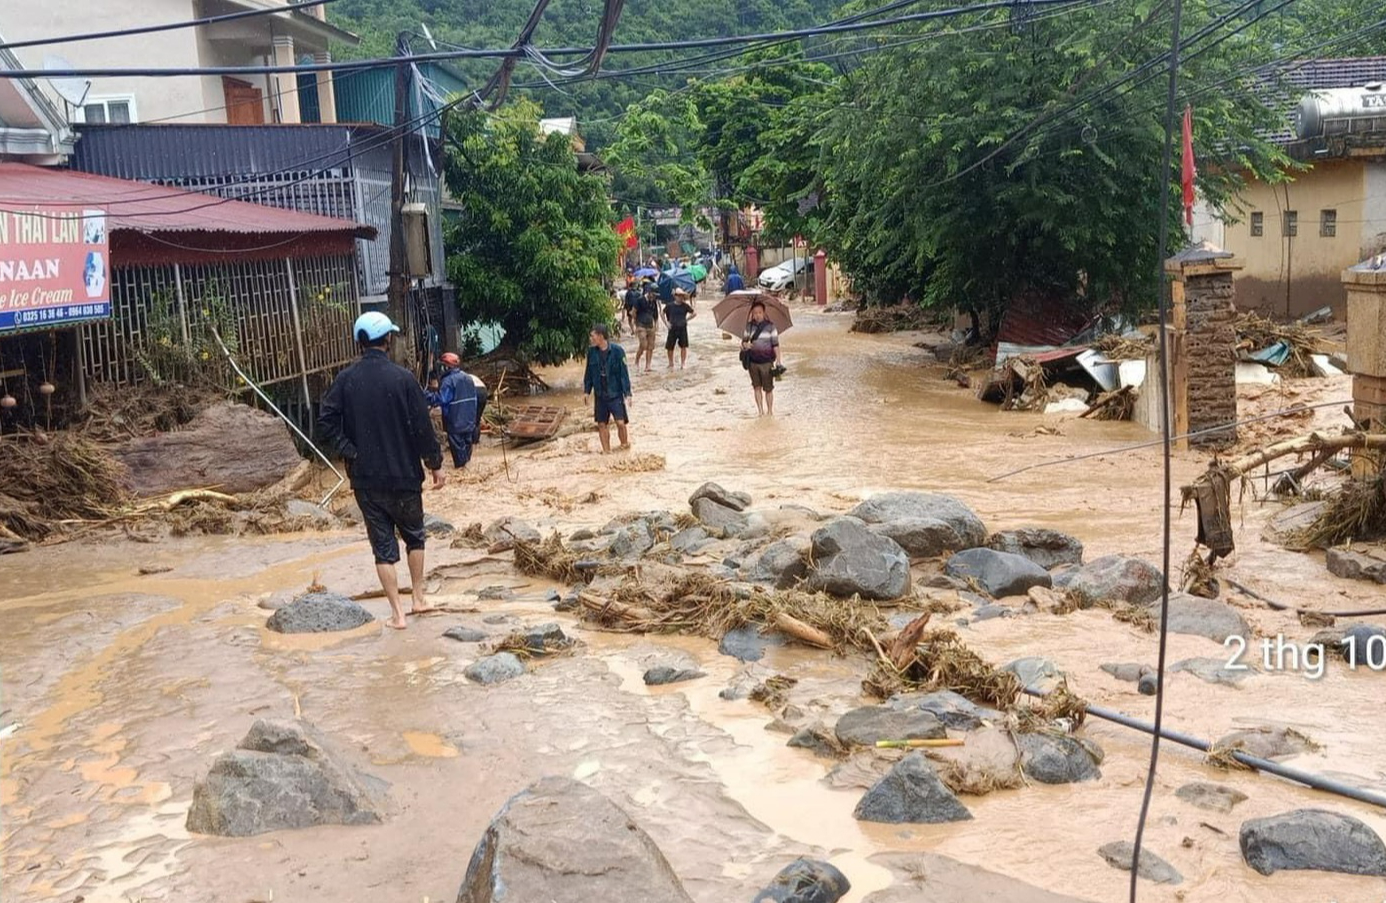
(119, 690)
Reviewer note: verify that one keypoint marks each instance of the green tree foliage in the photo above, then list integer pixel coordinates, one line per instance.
(534, 238)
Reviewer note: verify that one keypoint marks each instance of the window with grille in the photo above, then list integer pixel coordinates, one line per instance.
(1258, 225)
(1328, 223)
(101, 110)
(1291, 222)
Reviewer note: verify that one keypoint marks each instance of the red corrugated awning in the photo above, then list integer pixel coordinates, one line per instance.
(152, 209)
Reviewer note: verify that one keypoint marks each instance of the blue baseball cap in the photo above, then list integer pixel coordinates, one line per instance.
(372, 326)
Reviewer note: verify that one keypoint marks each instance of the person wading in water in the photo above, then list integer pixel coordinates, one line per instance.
(377, 416)
(608, 379)
(762, 342)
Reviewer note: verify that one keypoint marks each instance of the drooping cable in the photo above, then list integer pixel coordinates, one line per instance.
(168, 26)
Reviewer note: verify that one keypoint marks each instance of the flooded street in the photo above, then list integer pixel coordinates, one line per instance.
(123, 688)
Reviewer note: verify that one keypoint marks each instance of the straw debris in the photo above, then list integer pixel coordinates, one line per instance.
(1357, 512)
(1255, 332)
(549, 558)
(773, 691)
(52, 479)
(894, 318)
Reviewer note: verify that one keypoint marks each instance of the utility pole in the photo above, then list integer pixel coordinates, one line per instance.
(398, 292)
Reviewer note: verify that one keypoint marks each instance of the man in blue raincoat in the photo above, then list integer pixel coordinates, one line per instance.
(456, 395)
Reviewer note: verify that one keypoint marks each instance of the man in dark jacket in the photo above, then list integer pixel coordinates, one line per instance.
(456, 394)
(608, 379)
(377, 416)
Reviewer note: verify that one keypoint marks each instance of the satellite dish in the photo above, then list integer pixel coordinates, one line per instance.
(428, 34)
(72, 90)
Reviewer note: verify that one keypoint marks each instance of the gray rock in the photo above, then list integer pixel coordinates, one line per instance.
(999, 573)
(1148, 684)
(953, 710)
(546, 638)
(582, 534)
(851, 560)
(1119, 855)
(1213, 797)
(910, 793)
(283, 775)
(943, 581)
(805, 881)
(936, 523)
(1196, 616)
(494, 593)
(1267, 742)
(1113, 578)
(631, 541)
(1355, 565)
(1358, 646)
(731, 564)
(1212, 670)
(868, 724)
(987, 612)
(464, 634)
(501, 534)
(318, 613)
(498, 619)
(1046, 548)
(747, 643)
(784, 563)
(817, 740)
(1055, 759)
(437, 527)
(718, 520)
(737, 501)
(300, 508)
(689, 540)
(494, 669)
(661, 675)
(1312, 839)
(1035, 672)
(1127, 671)
(563, 842)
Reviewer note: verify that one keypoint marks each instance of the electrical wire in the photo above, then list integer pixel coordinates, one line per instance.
(170, 26)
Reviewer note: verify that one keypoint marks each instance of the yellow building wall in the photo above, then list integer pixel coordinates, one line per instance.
(1293, 275)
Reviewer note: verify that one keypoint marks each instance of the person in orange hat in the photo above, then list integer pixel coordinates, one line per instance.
(456, 395)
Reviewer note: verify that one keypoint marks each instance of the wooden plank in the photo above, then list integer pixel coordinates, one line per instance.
(1179, 370)
(536, 422)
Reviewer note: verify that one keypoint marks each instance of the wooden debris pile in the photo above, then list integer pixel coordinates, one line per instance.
(894, 318)
(1255, 332)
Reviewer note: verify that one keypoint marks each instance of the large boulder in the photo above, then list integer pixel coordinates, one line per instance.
(718, 520)
(911, 793)
(282, 775)
(1196, 616)
(1046, 548)
(1267, 742)
(737, 501)
(228, 447)
(1121, 853)
(783, 563)
(999, 573)
(318, 613)
(631, 541)
(924, 524)
(1113, 578)
(866, 725)
(501, 534)
(851, 560)
(952, 709)
(1056, 759)
(1312, 839)
(805, 881)
(1356, 565)
(1034, 672)
(563, 842)
(494, 669)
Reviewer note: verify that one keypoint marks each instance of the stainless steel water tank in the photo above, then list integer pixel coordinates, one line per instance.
(1342, 111)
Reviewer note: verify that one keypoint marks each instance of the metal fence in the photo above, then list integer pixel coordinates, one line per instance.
(283, 319)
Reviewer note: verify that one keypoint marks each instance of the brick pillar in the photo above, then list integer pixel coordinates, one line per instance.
(752, 266)
(1366, 353)
(820, 277)
(1205, 367)
(285, 83)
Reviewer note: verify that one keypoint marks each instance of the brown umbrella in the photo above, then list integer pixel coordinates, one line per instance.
(732, 312)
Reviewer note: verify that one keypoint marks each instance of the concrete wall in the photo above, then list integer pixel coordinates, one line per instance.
(1374, 211)
(1294, 275)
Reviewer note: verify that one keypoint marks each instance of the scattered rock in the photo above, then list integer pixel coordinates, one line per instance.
(1356, 565)
(736, 501)
(318, 613)
(718, 520)
(1312, 839)
(494, 669)
(851, 560)
(1046, 548)
(953, 710)
(1113, 578)
(1281, 526)
(1035, 673)
(1212, 670)
(563, 842)
(911, 793)
(1357, 644)
(805, 881)
(1196, 616)
(783, 563)
(494, 594)
(924, 524)
(1052, 759)
(690, 540)
(1120, 853)
(943, 581)
(1127, 671)
(1213, 797)
(437, 527)
(661, 675)
(866, 725)
(297, 508)
(503, 533)
(999, 573)
(1268, 742)
(1148, 684)
(498, 619)
(582, 535)
(630, 542)
(464, 634)
(282, 775)
(989, 761)
(818, 740)
(747, 643)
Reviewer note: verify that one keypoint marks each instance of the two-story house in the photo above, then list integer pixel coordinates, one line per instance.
(289, 37)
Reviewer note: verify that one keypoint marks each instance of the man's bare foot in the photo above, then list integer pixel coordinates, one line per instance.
(397, 623)
(419, 608)
(625, 447)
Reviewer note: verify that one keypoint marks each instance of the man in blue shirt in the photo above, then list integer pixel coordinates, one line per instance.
(608, 379)
(457, 396)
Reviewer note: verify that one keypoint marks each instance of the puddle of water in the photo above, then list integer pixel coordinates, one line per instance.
(429, 745)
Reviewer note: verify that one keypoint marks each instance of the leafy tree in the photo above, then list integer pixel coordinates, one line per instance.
(534, 237)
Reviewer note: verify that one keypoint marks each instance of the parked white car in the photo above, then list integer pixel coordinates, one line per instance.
(780, 277)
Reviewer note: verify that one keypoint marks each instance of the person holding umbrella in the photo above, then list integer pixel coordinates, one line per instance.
(760, 317)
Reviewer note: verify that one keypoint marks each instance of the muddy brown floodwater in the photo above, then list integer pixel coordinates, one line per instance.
(118, 690)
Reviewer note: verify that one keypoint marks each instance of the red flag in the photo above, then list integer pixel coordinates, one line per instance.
(626, 229)
(1189, 169)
